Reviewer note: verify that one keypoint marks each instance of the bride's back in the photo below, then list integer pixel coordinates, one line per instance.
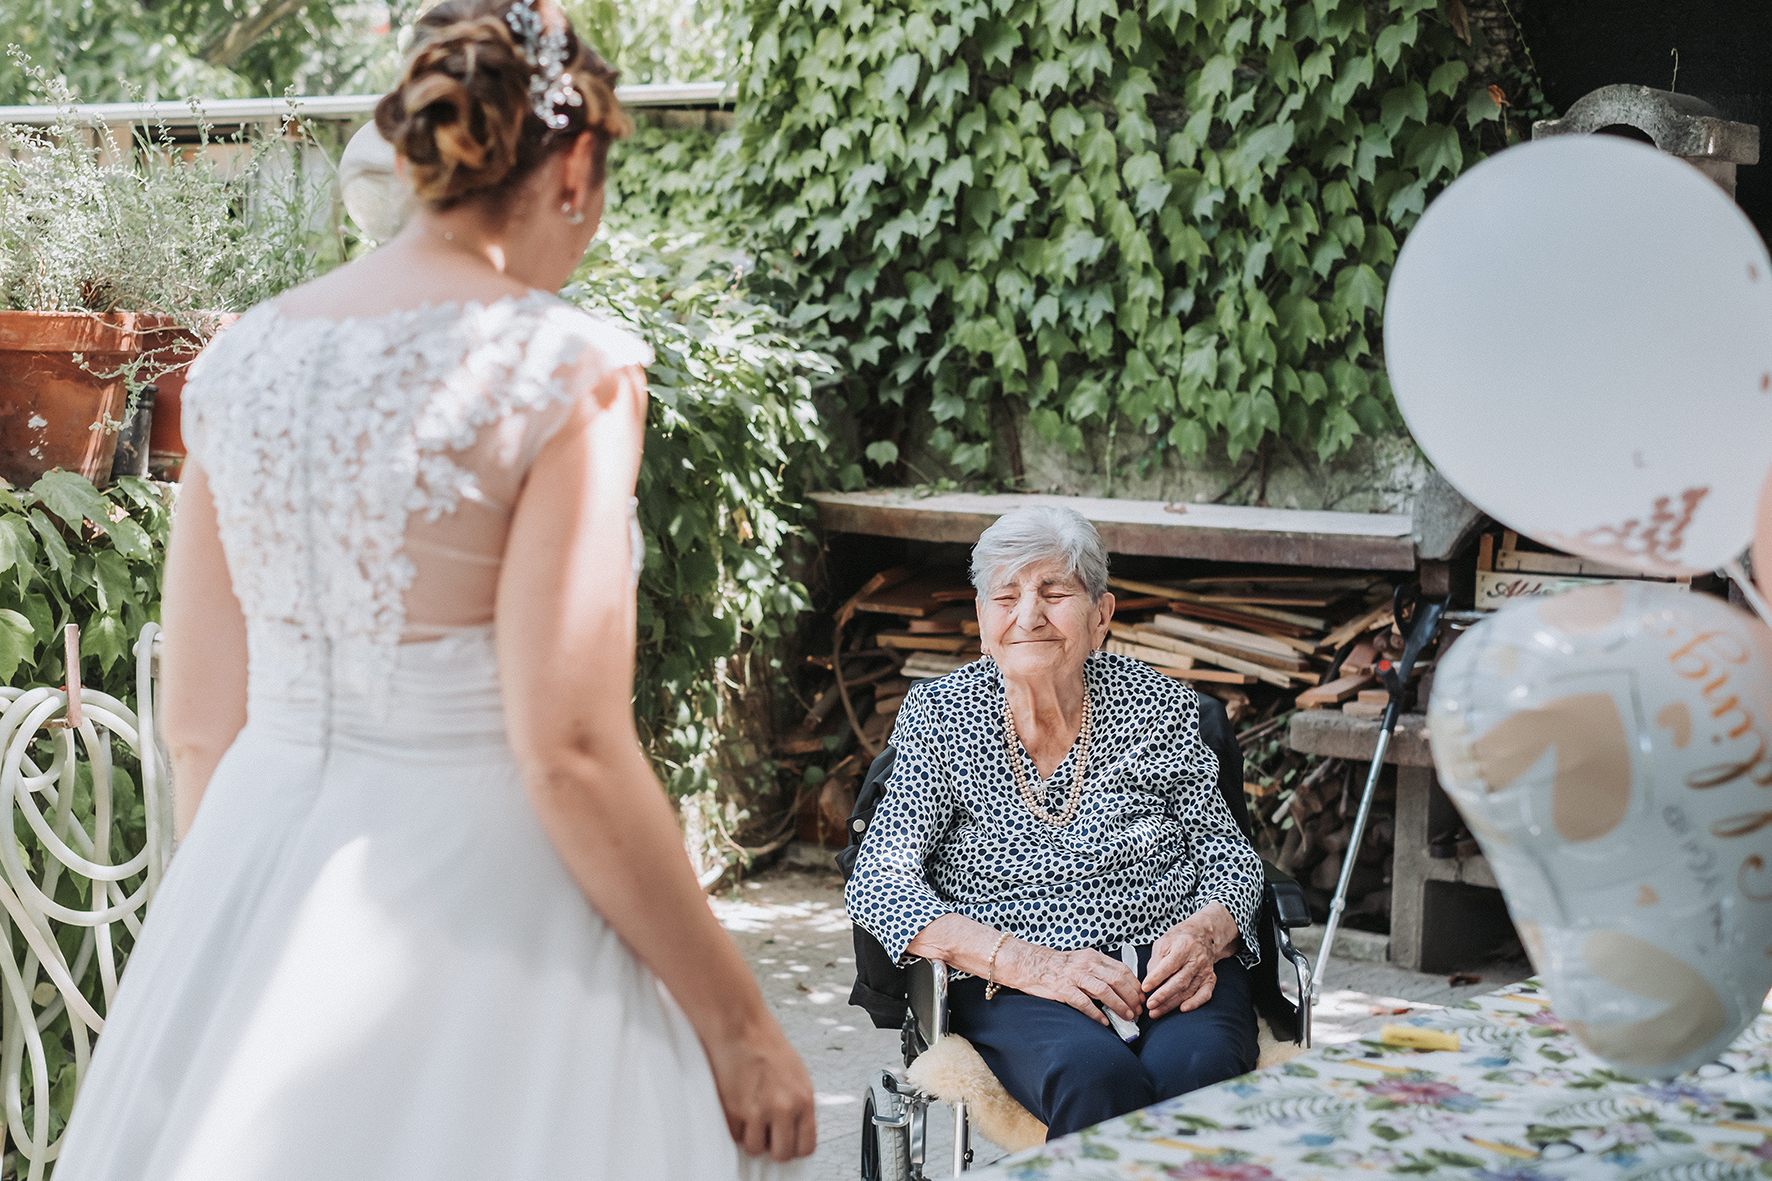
(365, 470)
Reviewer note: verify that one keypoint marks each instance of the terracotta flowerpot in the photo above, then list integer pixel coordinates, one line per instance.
(50, 402)
(158, 335)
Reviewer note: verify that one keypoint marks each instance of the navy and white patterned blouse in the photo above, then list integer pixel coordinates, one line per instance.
(1152, 841)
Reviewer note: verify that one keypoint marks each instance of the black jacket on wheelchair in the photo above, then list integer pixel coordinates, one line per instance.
(882, 986)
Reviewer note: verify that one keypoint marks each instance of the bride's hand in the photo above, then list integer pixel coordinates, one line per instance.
(766, 1093)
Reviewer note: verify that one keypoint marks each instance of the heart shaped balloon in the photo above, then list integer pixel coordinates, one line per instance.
(1611, 749)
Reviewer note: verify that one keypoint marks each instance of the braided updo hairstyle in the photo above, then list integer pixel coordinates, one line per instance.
(463, 116)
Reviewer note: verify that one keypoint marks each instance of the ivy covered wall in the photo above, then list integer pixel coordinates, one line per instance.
(1139, 245)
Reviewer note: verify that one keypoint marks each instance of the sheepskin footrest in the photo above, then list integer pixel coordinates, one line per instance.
(953, 1072)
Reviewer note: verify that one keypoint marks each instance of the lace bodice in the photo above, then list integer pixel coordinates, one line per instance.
(365, 471)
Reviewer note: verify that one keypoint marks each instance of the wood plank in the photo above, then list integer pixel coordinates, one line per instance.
(1267, 627)
(1210, 632)
(913, 598)
(1144, 603)
(1148, 638)
(1147, 653)
(1365, 709)
(1291, 665)
(1270, 599)
(1331, 732)
(923, 665)
(1496, 589)
(951, 619)
(1358, 625)
(1176, 595)
(1510, 557)
(1207, 676)
(1297, 619)
(1223, 533)
(906, 641)
(1334, 693)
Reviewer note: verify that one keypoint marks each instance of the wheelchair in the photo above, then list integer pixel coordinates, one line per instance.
(895, 1112)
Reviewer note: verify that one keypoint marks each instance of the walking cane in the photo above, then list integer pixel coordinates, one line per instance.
(1419, 620)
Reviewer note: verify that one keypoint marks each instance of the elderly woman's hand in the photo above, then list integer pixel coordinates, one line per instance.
(1075, 978)
(1181, 973)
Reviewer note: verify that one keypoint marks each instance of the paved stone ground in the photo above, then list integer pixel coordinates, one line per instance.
(790, 924)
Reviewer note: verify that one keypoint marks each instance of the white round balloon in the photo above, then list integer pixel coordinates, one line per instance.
(1579, 335)
(1611, 749)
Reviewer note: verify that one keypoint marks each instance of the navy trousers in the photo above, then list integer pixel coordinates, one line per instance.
(1072, 1072)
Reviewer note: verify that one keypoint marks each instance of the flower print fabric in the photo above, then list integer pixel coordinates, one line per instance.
(1520, 1100)
(1152, 841)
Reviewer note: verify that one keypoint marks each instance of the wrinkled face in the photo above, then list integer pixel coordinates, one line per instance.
(1038, 621)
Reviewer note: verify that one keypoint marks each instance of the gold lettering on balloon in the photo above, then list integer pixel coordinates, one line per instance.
(1640, 543)
(1756, 864)
(1707, 657)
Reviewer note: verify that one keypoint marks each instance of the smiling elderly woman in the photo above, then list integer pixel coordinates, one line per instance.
(1052, 816)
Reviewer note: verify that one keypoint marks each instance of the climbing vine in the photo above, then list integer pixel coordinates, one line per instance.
(1175, 214)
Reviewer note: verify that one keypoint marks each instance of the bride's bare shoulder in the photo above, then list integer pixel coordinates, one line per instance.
(383, 283)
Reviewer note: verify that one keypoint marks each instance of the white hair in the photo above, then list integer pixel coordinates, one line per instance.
(1040, 533)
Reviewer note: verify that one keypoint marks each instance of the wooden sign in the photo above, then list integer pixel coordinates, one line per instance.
(1498, 588)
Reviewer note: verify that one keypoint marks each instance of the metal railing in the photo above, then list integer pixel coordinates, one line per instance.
(322, 107)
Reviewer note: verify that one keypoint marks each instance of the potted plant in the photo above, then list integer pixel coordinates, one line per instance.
(120, 256)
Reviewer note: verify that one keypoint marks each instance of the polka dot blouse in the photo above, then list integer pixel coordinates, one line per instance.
(1151, 843)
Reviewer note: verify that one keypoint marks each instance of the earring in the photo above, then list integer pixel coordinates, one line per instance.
(573, 216)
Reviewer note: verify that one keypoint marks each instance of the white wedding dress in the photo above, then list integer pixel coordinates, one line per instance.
(366, 960)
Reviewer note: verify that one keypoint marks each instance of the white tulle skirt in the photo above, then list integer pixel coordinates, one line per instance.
(367, 962)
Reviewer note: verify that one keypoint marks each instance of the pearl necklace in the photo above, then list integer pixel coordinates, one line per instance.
(1029, 795)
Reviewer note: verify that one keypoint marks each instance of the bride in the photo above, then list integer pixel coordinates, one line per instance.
(433, 918)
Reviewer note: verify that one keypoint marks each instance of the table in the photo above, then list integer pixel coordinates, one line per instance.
(1213, 532)
(1434, 916)
(1520, 1100)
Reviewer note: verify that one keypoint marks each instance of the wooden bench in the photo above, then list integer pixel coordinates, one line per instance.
(1430, 923)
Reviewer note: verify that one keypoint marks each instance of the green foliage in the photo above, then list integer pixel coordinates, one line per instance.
(72, 554)
(144, 226)
(675, 178)
(660, 40)
(732, 442)
(121, 50)
(1180, 214)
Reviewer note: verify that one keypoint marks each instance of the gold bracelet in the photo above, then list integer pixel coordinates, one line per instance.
(990, 973)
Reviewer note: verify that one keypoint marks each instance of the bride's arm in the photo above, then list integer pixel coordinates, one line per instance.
(565, 629)
(203, 662)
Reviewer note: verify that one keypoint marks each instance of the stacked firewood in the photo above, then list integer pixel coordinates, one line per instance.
(1313, 822)
(1321, 634)
(1263, 645)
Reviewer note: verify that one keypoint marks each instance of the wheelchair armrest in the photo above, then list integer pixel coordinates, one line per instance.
(1290, 908)
(928, 981)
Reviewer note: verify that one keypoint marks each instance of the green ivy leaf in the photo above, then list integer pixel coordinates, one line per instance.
(104, 637)
(1391, 40)
(1433, 150)
(883, 452)
(18, 643)
(1446, 77)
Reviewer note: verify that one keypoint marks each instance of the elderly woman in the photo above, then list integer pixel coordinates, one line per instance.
(1052, 817)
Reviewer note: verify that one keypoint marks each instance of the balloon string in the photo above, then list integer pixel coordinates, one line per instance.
(1733, 569)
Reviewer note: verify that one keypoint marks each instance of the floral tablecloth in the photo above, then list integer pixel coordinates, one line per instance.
(1520, 1100)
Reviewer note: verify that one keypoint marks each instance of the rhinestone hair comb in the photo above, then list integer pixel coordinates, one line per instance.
(550, 85)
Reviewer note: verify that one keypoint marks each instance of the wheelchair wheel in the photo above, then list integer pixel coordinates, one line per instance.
(885, 1148)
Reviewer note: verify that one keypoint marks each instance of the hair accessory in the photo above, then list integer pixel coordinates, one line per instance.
(574, 217)
(545, 50)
